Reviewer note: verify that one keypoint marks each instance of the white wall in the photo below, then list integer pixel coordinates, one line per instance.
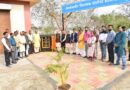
(17, 18)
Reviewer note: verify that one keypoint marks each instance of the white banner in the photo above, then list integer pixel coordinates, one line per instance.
(5, 6)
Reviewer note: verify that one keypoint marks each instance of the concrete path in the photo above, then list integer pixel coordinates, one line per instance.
(83, 74)
(24, 76)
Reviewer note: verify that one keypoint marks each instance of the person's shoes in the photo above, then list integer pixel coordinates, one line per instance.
(123, 67)
(26, 56)
(14, 62)
(92, 59)
(67, 53)
(95, 57)
(103, 60)
(116, 64)
(85, 57)
(17, 59)
(8, 66)
(74, 53)
(108, 61)
(21, 57)
(111, 64)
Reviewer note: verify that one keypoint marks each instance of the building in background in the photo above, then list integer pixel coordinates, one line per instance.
(15, 15)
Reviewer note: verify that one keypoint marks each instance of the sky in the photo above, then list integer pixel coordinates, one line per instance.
(102, 10)
(106, 10)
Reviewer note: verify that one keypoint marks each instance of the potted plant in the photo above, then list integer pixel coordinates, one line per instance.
(60, 70)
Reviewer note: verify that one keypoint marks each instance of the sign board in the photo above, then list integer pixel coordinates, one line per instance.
(5, 6)
(90, 4)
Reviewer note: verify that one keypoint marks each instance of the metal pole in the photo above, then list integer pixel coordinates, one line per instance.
(62, 21)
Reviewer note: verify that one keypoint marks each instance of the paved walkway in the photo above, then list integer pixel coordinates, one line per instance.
(120, 83)
(83, 74)
(123, 83)
(24, 76)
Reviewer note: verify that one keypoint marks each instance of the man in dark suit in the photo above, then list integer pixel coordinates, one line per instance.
(74, 39)
(68, 43)
(63, 40)
(58, 44)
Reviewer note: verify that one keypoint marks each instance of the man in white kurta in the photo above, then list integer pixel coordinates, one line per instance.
(36, 41)
(22, 41)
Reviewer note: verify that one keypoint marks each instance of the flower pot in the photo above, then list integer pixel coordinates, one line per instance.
(64, 87)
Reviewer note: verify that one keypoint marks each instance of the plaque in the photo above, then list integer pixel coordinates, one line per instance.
(45, 43)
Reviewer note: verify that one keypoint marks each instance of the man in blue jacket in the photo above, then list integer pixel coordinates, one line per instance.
(13, 46)
(120, 43)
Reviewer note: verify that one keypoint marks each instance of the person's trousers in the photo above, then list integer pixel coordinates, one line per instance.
(13, 53)
(96, 50)
(103, 47)
(36, 49)
(26, 49)
(22, 54)
(123, 59)
(31, 48)
(7, 57)
(58, 46)
(86, 48)
(63, 46)
(111, 52)
(17, 53)
(67, 49)
(129, 48)
(73, 48)
(82, 52)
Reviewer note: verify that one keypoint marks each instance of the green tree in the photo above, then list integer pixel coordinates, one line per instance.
(114, 19)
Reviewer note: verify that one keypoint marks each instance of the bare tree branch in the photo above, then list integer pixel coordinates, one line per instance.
(53, 15)
(68, 15)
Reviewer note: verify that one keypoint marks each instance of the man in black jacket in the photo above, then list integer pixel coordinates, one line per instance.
(7, 48)
(63, 40)
(68, 42)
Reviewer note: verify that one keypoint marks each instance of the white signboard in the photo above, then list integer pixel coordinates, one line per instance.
(5, 6)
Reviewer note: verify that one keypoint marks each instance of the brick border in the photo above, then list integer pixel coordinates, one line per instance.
(112, 83)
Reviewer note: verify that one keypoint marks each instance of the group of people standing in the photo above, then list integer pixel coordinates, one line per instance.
(81, 41)
(19, 45)
(84, 42)
(115, 43)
